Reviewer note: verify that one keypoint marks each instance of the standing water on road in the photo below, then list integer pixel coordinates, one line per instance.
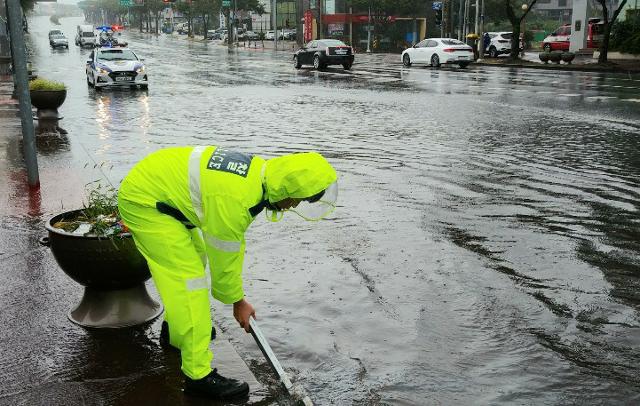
(485, 247)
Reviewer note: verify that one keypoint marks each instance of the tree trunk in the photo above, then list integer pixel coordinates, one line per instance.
(604, 46)
(515, 41)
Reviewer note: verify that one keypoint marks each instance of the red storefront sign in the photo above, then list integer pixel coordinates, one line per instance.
(308, 25)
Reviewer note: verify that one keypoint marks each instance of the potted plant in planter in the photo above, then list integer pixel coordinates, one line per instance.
(47, 96)
(568, 57)
(544, 57)
(555, 56)
(94, 248)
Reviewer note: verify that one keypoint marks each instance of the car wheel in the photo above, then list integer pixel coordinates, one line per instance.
(493, 52)
(406, 60)
(144, 87)
(296, 62)
(89, 82)
(317, 64)
(463, 64)
(347, 65)
(547, 47)
(435, 61)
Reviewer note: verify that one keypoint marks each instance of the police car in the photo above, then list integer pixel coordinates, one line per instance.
(112, 67)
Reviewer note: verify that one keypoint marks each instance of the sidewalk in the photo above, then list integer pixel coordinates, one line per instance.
(46, 359)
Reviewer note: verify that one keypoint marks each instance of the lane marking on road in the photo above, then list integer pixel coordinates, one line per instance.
(632, 100)
(598, 98)
(571, 94)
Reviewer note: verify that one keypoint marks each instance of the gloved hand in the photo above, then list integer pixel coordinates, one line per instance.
(242, 310)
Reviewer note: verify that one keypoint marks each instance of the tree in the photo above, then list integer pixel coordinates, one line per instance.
(604, 45)
(516, 22)
(155, 7)
(206, 8)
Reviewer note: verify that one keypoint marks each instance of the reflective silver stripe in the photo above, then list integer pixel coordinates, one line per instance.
(222, 245)
(194, 181)
(197, 283)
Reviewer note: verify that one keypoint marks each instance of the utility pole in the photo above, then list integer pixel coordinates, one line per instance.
(460, 19)
(320, 30)
(299, 18)
(369, 31)
(19, 62)
(275, 25)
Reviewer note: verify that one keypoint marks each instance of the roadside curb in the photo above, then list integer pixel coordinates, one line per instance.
(567, 68)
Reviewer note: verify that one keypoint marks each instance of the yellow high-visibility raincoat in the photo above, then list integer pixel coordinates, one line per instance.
(188, 204)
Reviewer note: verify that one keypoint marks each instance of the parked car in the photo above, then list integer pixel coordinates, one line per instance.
(270, 35)
(58, 41)
(436, 51)
(115, 67)
(500, 44)
(560, 39)
(322, 53)
(85, 36)
(287, 35)
(249, 36)
(54, 32)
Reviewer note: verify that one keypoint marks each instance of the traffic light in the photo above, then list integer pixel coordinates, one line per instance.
(438, 17)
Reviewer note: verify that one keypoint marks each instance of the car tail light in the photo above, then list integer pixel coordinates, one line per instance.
(449, 50)
(353, 51)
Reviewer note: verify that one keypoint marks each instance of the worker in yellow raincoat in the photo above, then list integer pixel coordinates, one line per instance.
(188, 205)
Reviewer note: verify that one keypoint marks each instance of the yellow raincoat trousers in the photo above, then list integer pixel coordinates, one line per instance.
(187, 205)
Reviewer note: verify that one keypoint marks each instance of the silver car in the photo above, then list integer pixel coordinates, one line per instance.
(58, 41)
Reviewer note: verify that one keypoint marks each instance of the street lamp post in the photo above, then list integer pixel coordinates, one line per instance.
(525, 7)
(369, 31)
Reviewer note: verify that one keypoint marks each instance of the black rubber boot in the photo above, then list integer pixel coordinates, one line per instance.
(164, 336)
(215, 386)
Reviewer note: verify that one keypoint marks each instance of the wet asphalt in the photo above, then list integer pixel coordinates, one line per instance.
(484, 251)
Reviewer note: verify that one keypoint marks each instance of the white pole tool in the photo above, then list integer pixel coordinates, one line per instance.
(296, 392)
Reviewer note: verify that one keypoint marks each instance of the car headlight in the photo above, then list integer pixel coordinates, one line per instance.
(103, 71)
(140, 69)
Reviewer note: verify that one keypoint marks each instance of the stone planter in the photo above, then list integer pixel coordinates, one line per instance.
(544, 57)
(112, 272)
(47, 99)
(568, 57)
(47, 103)
(555, 56)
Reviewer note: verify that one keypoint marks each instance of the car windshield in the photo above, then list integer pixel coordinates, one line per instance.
(333, 43)
(452, 42)
(58, 36)
(507, 35)
(117, 55)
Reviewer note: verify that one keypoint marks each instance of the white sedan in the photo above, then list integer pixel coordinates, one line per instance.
(436, 51)
(115, 67)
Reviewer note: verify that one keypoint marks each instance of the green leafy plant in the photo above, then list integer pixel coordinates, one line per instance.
(44, 84)
(99, 216)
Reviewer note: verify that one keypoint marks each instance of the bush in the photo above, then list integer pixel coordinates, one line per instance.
(625, 36)
(44, 84)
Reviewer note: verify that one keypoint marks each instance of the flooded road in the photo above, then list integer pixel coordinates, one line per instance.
(485, 247)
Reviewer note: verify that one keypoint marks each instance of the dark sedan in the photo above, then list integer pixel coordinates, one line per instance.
(324, 52)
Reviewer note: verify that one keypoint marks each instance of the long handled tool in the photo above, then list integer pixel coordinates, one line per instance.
(296, 392)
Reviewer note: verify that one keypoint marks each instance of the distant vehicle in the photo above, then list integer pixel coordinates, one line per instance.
(560, 39)
(287, 35)
(436, 51)
(322, 53)
(500, 44)
(249, 36)
(58, 41)
(54, 32)
(270, 35)
(85, 36)
(108, 67)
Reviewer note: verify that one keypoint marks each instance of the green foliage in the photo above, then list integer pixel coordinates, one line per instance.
(625, 36)
(44, 84)
(100, 213)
